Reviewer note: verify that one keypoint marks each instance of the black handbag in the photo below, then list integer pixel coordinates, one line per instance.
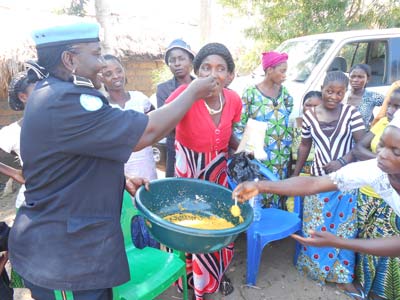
(6, 292)
(4, 232)
(242, 168)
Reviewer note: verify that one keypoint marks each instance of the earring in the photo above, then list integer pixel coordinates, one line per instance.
(73, 71)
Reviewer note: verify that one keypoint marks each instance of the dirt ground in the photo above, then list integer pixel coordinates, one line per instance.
(277, 279)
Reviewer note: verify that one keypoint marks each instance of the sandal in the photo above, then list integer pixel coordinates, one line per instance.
(226, 288)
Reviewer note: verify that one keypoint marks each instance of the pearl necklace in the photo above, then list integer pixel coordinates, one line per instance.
(214, 111)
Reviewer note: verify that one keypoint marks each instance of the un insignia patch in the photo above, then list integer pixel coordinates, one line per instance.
(90, 103)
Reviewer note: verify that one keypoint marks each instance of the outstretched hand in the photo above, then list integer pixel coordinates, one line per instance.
(317, 239)
(132, 184)
(203, 87)
(245, 191)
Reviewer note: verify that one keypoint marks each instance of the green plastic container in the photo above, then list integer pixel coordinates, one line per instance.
(172, 195)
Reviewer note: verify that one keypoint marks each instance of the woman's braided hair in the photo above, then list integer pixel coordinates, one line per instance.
(338, 76)
(18, 84)
(312, 94)
(213, 49)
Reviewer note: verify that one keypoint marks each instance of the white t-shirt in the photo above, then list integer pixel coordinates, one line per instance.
(10, 142)
(367, 172)
(9, 138)
(140, 163)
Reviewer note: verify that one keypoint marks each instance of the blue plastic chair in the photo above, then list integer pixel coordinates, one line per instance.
(275, 224)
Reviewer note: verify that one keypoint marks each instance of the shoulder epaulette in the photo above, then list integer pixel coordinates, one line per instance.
(82, 81)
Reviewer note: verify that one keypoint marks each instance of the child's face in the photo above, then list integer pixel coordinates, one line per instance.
(310, 103)
(333, 93)
(393, 105)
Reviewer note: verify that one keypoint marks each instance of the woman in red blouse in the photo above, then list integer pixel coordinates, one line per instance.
(203, 138)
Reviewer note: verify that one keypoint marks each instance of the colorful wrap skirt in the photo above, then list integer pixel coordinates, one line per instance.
(335, 212)
(378, 275)
(204, 271)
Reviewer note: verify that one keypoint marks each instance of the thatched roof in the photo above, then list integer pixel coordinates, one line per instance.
(15, 47)
(135, 38)
(141, 37)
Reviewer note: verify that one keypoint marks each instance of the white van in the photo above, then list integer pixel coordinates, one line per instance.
(310, 57)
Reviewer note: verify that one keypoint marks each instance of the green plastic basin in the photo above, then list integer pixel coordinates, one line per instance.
(172, 195)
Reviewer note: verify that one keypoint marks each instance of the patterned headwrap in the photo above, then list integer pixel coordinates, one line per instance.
(272, 59)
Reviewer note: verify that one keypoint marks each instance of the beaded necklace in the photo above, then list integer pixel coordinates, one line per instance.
(214, 111)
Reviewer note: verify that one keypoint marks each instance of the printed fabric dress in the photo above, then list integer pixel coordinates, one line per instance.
(379, 275)
(384, 271)
(369, 101)
(335, 211)
(201, 152)
(278, 136)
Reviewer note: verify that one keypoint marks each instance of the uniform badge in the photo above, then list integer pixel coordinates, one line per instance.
(90, 102)
(82, 81)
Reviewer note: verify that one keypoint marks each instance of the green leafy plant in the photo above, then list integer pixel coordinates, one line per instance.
(278, 20)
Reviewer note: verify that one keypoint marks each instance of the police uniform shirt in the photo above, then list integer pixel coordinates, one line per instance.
(74, 146)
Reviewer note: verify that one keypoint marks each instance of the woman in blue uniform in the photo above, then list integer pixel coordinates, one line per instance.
(67, 237)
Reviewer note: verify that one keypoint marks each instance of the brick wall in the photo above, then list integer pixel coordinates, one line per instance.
(139, 75)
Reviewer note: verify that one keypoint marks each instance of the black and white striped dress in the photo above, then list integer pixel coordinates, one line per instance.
(339, 143)
(334, 211)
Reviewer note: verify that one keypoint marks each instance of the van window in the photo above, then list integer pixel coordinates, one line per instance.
(372, 53)
(376, 59)
(354, 53)
(303, 57)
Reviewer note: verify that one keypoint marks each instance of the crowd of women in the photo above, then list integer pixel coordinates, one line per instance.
(358, 200)
(336, 129)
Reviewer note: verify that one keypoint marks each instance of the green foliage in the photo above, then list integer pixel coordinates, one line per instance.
(278, 20)
(160, 75)
(379, 14)
(249, 59)
(76, 8)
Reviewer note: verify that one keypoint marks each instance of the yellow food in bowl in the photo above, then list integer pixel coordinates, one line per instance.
(235, 210)
(199, 222)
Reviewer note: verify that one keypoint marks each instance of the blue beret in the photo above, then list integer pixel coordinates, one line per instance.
(82, 32)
